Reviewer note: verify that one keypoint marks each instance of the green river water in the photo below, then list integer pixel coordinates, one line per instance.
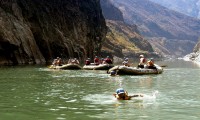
(38, 93)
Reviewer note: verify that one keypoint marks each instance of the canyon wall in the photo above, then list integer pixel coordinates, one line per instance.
(35, 31)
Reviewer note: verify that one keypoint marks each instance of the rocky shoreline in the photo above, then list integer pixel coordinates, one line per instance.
(194, 57)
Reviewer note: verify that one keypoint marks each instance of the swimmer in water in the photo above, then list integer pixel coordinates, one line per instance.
(121, 94)
(113, 73)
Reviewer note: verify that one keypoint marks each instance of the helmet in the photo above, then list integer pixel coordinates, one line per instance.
(141, 56)
(112, 72)
(120, 91)
(126, 59)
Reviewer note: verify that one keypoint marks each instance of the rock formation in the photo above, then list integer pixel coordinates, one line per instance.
(195, 55)
(122, 40)
(36, 31)
(111, 12)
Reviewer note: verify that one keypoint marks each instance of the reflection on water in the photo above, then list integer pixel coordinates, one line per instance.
(38, 93)
(175, 63)
(146, 82)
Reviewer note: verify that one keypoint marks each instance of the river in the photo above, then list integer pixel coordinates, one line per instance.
(38, 93)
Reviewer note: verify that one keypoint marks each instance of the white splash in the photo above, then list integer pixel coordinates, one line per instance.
(146, 97)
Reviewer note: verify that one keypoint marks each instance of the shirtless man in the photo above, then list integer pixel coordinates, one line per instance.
(142, 62)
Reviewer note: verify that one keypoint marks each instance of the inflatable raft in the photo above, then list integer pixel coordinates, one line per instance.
(124, 70)
(67, 67)
(98, 67)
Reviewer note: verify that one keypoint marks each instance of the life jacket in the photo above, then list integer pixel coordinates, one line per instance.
(108, 60)
(87, 62)
(96, 61)
(59, 62)
(144, 60)
(150, 63)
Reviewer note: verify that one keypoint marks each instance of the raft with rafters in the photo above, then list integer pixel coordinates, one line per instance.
(124, 70)
(98, 67)
(66, 67)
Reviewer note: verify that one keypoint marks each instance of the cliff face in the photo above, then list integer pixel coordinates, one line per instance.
(195, 55)
(110, 12)
(170, 48)
(122, 40)
(197, 47)
(35, 31)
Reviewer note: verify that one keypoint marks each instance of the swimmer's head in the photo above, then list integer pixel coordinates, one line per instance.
(113, 73)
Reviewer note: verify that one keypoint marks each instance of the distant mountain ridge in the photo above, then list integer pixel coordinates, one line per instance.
(188, 7)
(154, 20)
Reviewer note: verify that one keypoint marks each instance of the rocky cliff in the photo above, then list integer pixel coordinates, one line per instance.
(197, 47)
(111, 12)
(36, 31)
(122, 40)
(171, 47)
(195, 55)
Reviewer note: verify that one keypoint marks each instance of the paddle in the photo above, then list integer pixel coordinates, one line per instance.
(163, 66)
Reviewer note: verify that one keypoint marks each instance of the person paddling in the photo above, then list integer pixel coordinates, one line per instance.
(150, 64)
(87, 62)
(126, 62)
(96, 60)
(75, 61)
(107, 60)
(57, 62)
